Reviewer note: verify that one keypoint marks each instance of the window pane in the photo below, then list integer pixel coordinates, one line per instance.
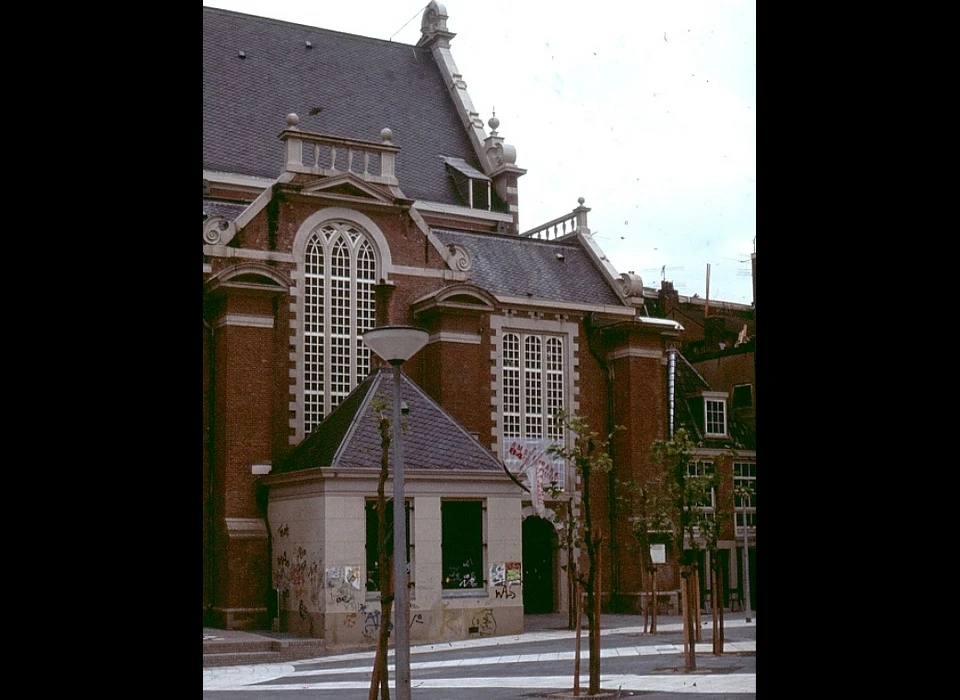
(462, 544)
(373, 544)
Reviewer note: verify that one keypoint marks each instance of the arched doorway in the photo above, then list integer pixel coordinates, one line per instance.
(539, 566)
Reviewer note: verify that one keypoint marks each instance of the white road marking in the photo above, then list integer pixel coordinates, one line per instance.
(687, 683)
(247, 677)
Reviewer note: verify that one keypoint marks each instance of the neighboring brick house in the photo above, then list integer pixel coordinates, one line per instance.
(349, 183)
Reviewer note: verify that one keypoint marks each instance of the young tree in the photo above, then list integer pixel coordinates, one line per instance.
(588, 456)
(649, 507)
(379, 679)
(687, 493)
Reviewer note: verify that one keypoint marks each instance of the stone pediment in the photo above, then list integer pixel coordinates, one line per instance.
(458, 297)
(349, 186)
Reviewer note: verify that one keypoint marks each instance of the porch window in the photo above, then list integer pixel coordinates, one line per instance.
(745, 480)
(462, 544)
(373, 545)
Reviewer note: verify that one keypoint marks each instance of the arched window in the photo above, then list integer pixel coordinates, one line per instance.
(340, 274)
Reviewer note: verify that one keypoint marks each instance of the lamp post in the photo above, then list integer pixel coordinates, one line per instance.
(396, 345)
(746, 559)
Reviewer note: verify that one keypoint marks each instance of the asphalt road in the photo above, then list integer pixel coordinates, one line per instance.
(531, 665)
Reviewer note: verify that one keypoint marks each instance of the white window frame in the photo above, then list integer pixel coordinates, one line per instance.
(340, 269)
(533, 381)
(715, 402)
(700, 466)
(745, 475)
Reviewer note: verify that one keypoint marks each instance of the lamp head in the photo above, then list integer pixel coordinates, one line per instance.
(395, 344)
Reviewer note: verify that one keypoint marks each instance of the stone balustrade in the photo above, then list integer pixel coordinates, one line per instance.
(329, 156)
(574, 222)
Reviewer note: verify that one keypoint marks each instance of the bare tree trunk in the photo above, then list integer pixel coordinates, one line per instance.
(646, 608)
(691, 623)
(689, 636)
(576, 653)
(715, 599)
(595, 623)
(697, 603)
(573, 619)
(379, 677)
(721, 599)
(653, 624)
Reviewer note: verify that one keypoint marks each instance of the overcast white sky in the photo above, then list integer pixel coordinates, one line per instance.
(645, 108)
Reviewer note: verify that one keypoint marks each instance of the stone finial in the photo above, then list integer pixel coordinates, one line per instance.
(292, 120)
(434, 18)
(580, 201)
(386, 135)
(493, 123)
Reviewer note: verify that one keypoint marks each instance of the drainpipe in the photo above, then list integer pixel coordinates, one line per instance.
(671, 385)
(211, 469)
(611, 477)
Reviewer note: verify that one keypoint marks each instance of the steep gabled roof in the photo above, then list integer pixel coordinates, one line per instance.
(518, 266)
(689, 413)
(339, 84)
(350, 436)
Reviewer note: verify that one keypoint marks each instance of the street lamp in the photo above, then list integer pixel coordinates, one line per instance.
(744, 496)
(396, 345)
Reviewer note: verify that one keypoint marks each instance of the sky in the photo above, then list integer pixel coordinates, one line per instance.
(645, 108)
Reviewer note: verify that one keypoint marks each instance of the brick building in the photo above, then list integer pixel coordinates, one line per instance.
(349, 183)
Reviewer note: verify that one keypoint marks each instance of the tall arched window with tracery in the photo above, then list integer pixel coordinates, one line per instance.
(339, 304)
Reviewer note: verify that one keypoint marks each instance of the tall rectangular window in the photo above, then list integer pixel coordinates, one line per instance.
(373, 542)
(698, 472)
(745, 480)
(462, 544)
(532, 390)
(715, 415)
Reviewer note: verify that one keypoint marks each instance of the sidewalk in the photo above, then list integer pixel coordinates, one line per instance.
(236, 647)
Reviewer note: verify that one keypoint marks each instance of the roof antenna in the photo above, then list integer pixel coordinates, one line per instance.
(407, 22)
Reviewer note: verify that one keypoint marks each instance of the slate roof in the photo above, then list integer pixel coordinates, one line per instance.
(507, 265)
(361, 85)
(689, 412)
(227, 210)
(350, 436)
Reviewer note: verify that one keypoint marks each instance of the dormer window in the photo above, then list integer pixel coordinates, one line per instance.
(743, 396)
(472, 185)
(715, 413)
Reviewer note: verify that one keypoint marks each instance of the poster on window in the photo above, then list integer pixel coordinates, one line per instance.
(528, 459)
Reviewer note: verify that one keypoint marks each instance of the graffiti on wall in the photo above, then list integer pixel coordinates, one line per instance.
(298, 579)
(343, 587)
(483, 623)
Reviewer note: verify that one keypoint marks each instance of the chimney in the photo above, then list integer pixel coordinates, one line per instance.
(669, 297)
(712, 333)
